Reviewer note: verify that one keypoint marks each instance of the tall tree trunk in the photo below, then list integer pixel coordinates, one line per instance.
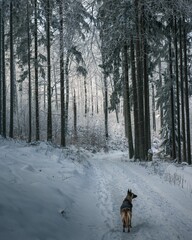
(11, 72)
(178, 93)
(36, 76)
(182, 90)
(49, 93)
(63, 140)
(75, 116)
(29, 69)
(161, 85)
(92, 104)
(153, 108)
(55, 83)
(0, 68)
(4, 117)
(127, 102)
(135, 99)
(186, 94)
(97, 97)
(172, 101)
(67, 89)
(139, 80)
(106, 107)
(147, 127)
(86, 100)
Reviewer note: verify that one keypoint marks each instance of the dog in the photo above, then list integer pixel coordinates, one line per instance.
(126, 210)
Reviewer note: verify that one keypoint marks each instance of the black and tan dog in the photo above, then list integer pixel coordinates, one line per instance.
(126, 210)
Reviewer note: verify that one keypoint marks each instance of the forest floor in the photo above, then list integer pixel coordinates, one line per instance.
(52, 194)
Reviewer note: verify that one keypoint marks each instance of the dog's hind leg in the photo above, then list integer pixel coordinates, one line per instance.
(129, 221)
(123, 225)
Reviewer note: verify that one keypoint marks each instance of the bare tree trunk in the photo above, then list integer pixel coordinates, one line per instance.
(11, 73)
(153, 108)
(75, 116)
(49, 93)
(182, 91)
(161, 84)
(67, 90)
(139, 81)
(186, 94)
(147, 127)
(135, 99)
(178, 93)
(55, 82)
(0, 68)
(106, 107)
(92, 104)
(172, 101)
(36, 76)
(97, 97)
(127, 103)
(29, 70)
(63, 140)
(85, 91)
(3, 76)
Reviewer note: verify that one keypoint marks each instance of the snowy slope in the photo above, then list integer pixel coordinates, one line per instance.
(53, 194)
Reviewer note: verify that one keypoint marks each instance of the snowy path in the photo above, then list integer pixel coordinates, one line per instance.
(160, 212)
(36, 183)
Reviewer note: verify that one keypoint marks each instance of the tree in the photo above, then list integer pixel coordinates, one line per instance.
(186, 93)
(63, 134)
(3, 73)
(177, 90)
(0, 69)
(135, 102)
(29, 70)
(182, 89)
(49, 91)
(127, 103)
(36, 71)
(11, 72)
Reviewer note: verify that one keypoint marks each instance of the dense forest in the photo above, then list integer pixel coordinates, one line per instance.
(62, 61)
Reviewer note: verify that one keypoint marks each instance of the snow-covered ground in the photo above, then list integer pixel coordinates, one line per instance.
(47, 193)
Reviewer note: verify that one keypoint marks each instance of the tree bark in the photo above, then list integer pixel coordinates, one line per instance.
(153, 108)
(11, 73)
(139, 81)
(127, 103)
(36, 76)
(63, 140)
(29, 70)
(173, 153)
(186, 94)
(49, 93)
(75, 116)
(182, 90)
(135, 99)
(178, 93)
(67, 90)
(3, 77)
(147, 127)
(0, 68)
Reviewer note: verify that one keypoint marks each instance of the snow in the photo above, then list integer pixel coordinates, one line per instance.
(48, 193)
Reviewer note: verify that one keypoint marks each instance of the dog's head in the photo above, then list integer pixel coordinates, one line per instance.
(131, 195)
